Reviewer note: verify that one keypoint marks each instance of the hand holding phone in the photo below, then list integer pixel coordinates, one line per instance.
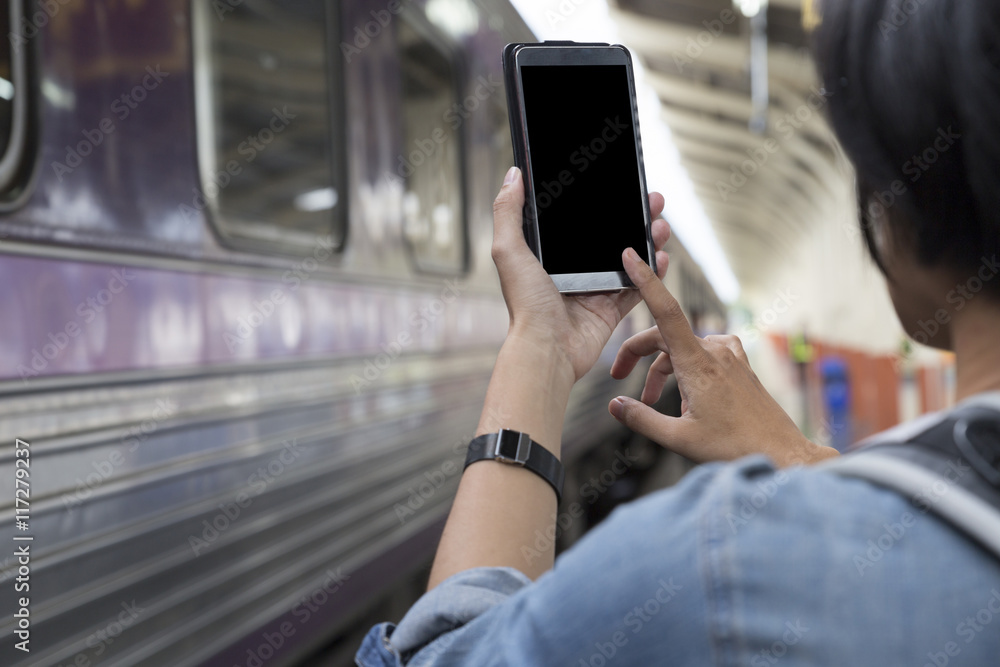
(574, 328)
(575, 131)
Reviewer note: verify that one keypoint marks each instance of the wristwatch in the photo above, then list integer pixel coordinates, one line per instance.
(516, 448)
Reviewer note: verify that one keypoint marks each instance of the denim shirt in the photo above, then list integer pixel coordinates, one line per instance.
(738, 564)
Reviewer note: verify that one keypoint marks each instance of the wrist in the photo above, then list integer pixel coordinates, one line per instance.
(823, 453)
(528, 392)
(807, 452)
(542, 350)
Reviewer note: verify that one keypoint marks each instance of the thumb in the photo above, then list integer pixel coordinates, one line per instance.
(667, 431)
(508, 234)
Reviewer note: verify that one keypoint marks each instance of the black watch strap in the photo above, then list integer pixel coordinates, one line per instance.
(517, 448)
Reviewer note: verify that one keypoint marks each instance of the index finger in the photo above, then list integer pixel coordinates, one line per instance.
(670, 319)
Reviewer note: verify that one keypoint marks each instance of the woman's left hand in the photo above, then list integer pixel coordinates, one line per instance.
(575, 327)
(553, 341)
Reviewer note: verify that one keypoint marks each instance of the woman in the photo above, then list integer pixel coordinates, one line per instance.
(820, 568)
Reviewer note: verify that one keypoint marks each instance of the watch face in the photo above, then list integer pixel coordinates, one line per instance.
(507, 448)
(512, 447)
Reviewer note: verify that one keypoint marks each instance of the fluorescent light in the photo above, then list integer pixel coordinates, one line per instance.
(457, 17)
(750, 8)
(63, 98)
(322, 199)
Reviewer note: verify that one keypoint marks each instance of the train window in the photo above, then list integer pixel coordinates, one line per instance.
(270, 148)
(13, 97)
(431, 163)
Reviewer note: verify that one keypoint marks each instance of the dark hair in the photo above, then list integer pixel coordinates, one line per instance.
(914, 81)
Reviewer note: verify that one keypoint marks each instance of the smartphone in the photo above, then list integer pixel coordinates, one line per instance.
(575, 130)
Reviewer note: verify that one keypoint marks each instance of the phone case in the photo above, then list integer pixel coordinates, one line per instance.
(519, 140)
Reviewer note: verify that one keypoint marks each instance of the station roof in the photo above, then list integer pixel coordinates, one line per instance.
(762, 191)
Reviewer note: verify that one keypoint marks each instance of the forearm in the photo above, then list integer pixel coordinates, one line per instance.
(499, 509)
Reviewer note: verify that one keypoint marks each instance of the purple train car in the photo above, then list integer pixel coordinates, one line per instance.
(247, 317)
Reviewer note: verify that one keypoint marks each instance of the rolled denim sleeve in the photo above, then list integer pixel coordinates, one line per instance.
(636, 571)
(453, 603)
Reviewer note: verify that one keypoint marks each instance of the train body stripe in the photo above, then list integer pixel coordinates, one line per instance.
(62, 318)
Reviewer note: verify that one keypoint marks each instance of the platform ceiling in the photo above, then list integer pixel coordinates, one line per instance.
(696, 54)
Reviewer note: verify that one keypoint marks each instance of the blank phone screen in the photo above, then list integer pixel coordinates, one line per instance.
(585, 172)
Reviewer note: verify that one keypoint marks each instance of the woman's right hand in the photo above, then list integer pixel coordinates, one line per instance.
(725, 411)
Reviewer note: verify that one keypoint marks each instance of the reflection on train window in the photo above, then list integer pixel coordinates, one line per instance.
(273, 164)
(6, 82)
(13, 103)
(433, 210)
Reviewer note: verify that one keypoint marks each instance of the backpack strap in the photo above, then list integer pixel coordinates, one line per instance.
(950, 468)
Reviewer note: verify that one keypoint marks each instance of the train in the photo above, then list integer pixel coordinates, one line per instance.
(249, 317)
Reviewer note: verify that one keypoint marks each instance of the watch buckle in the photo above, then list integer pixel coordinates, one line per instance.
(523, 447)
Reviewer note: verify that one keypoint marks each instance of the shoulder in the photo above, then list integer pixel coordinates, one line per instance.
(728, 498)
(762, 557)
(747, 508)
(673, 568)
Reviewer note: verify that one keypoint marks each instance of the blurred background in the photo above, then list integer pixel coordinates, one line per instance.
(249, 310)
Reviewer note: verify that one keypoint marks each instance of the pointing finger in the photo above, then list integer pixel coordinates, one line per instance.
(680, 340)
